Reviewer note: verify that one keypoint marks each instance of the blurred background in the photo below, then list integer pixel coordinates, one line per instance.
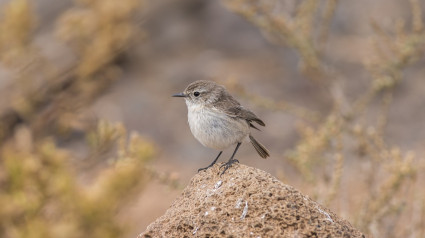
(93, 144)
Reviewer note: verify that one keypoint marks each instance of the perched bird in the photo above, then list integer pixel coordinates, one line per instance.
(218, 121)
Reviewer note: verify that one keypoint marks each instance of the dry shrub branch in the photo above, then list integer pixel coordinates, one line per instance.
(344, 136)
(45, 198)
(45, 188)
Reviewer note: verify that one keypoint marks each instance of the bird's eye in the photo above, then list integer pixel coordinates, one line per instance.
(196, 94)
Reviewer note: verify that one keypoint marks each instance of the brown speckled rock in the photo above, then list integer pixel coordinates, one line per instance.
(246, 202)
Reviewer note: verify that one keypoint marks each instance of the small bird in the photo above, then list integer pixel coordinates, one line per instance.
(218, 121)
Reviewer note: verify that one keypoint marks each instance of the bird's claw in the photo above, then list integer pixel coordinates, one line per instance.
(202, 169)
(227, 165)
(209, 166)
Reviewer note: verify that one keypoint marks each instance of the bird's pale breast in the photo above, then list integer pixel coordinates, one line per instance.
(215, 129)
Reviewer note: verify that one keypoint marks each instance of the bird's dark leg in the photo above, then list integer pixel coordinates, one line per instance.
(229, 163)
(211, 163)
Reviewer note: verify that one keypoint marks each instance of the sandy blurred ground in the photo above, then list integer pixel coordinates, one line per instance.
(190, 40)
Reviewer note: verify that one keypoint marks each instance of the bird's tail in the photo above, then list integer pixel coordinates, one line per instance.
(261, 150)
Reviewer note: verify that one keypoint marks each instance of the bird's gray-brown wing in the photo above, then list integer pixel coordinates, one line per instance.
(234, 109)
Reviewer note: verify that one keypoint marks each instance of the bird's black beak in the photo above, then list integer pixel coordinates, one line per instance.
(180, 95)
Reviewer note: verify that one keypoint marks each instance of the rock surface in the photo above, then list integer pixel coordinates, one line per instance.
(246, 202)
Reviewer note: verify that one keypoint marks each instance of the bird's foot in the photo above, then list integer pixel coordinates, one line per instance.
(227, 165)
(202, 169)
(212, 164)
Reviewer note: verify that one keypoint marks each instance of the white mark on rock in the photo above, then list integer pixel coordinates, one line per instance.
(212, 208)
(206, 214)
(328, 217)
(245, 210)
(218, 184)
(210, 192)
(196, 229)
(263, 216)
(229, 185)
(238, 203)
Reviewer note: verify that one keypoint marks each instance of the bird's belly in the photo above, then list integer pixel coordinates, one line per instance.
(215, 130)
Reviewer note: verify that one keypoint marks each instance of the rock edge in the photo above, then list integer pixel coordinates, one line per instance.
(246, 202)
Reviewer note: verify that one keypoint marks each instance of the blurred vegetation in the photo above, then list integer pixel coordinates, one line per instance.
(389, 182)
(44, 197)
(19, 22)
(42, 191)
(98, 31)
(50, 191)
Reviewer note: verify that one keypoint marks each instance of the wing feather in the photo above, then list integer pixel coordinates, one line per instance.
(233, 108)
